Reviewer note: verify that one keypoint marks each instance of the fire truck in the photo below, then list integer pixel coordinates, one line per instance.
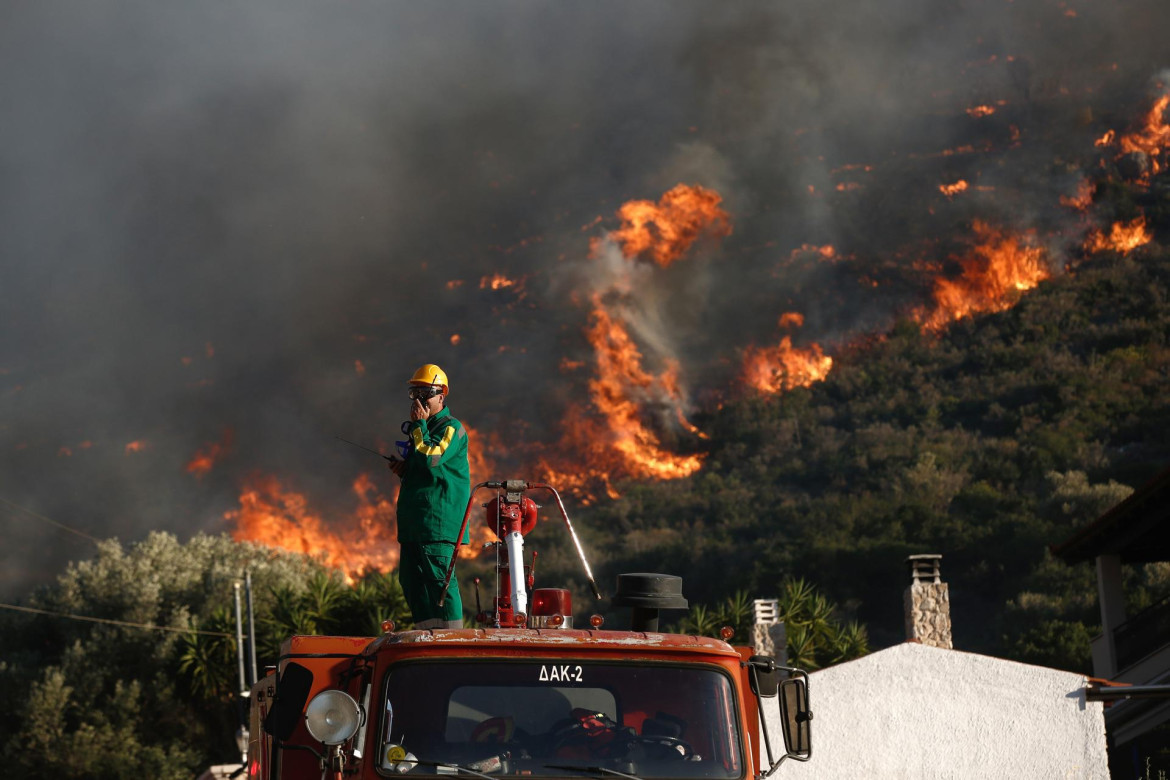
(528, 693)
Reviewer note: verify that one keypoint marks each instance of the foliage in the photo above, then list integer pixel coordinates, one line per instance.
(816, 636)
(88, 700)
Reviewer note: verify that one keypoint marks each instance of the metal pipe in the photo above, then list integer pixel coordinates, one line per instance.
(240, 639)
(1110, 693)
(251, 624)
(572, 533)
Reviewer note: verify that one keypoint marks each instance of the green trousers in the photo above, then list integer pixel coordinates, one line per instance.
(421, 571)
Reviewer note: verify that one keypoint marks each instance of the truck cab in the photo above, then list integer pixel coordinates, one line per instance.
(527, 695)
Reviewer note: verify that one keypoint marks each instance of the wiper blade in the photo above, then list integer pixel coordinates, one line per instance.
(443, 765)
(597, 770)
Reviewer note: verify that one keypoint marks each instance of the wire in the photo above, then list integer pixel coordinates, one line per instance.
(49, 521)
(114, 622)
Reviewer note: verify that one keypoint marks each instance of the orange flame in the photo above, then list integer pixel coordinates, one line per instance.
(953, 189)
(497, 282)
(206, 456)
(619, 370)
(996, 269)
(1123, 237)
(1150, 139)
(136, 446)
(1154, 134)
(791, 319)
(665, 230)
(359, 368)
(783, 367)
(980, 111)
(1082, 199)
(365, 541)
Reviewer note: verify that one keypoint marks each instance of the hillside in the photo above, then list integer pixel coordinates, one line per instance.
(986, 444)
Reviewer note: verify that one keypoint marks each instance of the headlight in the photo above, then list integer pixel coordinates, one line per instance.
(332, 717)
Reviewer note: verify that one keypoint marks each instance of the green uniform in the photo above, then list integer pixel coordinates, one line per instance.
(436, 485)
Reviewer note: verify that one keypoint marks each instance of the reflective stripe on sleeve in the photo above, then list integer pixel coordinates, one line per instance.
(432, 449)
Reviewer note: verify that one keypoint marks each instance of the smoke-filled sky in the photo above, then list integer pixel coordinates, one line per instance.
(248, 222)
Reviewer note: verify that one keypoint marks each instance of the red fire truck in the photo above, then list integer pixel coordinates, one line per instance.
(528, 694)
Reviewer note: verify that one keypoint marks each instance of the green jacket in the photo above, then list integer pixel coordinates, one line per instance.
(436, 484)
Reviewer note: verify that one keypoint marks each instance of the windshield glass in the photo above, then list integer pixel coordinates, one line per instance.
(530, 718)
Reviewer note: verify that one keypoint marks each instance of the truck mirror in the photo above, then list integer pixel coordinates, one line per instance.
(763, 675)
(288, 703)
(796, 717)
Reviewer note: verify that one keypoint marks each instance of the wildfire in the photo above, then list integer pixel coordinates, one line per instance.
(980, 111)
(206, 456)
(136, 446)
(1123, 237)
(1150, 139)
(783, 367)
(999, 266)
(1154, 134)
(950, 190)
(364, 541)
(791, 319)
(1082, 199)
(619, 371)
(497, 282)
(664, 231)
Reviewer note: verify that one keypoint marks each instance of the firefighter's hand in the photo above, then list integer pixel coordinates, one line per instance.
(418, 411)
(398, 466)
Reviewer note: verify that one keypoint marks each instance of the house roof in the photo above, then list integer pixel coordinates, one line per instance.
(1137, 529)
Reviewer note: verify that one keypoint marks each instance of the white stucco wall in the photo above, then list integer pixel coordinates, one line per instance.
(913, 711)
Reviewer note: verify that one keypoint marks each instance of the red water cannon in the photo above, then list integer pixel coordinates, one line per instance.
(511, 516)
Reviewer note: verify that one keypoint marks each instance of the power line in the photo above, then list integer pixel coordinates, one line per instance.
(49, 521)
(113, 622)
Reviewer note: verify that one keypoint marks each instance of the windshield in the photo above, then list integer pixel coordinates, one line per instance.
(530, 718)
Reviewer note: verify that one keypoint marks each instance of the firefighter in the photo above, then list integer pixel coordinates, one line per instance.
(436, 486)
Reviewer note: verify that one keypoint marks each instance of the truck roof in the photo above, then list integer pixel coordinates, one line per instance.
(558, 638)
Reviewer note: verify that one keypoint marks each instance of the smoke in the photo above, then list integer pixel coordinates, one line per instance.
(208, 213)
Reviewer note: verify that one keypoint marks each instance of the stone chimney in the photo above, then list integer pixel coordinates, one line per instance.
(927, 603)
(768, 634)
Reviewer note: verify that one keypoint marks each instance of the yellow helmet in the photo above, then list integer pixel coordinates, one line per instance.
(430, 374)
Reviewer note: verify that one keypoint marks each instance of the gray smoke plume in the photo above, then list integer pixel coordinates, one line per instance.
(263, 216)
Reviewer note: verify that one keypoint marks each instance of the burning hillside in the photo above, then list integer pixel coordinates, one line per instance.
(596, 267)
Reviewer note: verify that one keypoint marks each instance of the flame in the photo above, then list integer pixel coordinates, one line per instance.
(455, 339)
(953, 189)
(1000, 266)
(136, 446)
(206, 456)
(1083, 198)
(791, 319)
(359, 368)
(1123, 237)
(1151, 138)
(1154, 134)
(454, 284)
(496, 282)
(666, 230)
(783, 367)
(980, 111)
(364, 541)
(619, 370)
